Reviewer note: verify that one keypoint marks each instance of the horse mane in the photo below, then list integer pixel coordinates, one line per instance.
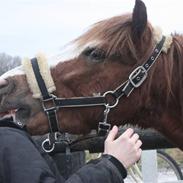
(174, 66)
(114, 35)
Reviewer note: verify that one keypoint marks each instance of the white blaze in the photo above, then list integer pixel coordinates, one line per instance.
(16, 71)
(69, 52)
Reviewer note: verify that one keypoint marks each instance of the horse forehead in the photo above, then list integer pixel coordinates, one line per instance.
(13, 72)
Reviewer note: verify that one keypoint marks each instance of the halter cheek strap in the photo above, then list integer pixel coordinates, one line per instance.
(138, 75)
(50, 110)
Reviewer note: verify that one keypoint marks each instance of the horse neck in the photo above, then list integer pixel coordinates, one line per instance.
(165, 85)
(178, 44)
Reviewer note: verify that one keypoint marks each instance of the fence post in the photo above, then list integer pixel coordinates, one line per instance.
(149, 166)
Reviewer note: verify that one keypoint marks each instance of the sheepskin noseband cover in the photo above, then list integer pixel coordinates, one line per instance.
(44, 71)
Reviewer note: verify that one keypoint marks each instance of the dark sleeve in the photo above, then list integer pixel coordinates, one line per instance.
(107, 169)
(20, 160)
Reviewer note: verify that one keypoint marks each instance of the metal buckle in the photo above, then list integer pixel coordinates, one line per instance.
(47, 106)
(135, 74)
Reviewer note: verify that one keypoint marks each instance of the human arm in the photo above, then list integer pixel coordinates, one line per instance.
(125, 148)
(119, 154)
(21, 161)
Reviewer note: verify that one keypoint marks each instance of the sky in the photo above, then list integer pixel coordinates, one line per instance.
(31, 26)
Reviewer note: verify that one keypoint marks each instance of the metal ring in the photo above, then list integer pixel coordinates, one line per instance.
(44, 146)
(20, 123)
(57, 135)
(108, 105)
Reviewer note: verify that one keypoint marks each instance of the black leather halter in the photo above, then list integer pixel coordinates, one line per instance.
(136, 78)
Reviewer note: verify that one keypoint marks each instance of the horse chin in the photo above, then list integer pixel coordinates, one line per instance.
(18, 114)
(22, 114)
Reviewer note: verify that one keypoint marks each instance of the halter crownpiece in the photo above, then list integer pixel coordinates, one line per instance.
(157, 34)
(45, 74)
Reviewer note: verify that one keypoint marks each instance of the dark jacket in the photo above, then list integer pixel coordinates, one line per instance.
(22, 161)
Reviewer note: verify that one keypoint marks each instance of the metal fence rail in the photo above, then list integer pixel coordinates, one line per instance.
(150, 139)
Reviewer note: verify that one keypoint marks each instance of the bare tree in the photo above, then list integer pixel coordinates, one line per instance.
(8, 62)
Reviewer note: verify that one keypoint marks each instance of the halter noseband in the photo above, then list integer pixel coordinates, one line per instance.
(136, 78)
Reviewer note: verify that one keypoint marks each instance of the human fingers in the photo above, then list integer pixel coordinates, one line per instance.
(138, 144)
(138, 154)
(135, 137)
(127, 134)
(112, 134)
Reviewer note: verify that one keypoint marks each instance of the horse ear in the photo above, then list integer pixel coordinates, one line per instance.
(139, 19)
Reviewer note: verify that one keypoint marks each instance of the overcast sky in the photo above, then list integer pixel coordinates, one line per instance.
(30, 26)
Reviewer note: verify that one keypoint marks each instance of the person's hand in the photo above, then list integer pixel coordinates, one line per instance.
(126, 148)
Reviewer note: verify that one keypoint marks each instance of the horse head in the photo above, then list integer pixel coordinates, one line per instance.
(107, 54)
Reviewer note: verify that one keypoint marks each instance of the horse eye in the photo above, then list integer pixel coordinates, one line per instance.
(88, 51)
(97, 55)
(94, 54)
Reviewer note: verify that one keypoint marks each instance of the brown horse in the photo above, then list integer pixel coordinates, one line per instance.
(109, 52)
